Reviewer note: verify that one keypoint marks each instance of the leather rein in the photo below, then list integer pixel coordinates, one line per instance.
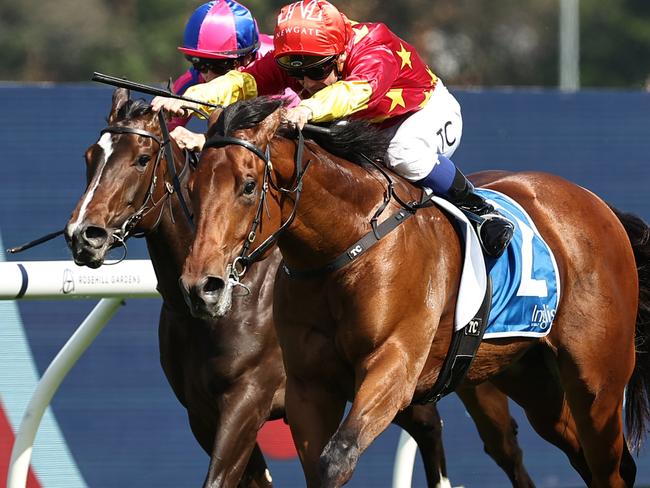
(164, 148)
(238, 267)
(245, 258)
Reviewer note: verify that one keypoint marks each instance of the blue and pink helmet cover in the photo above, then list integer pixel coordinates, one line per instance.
(220, 29)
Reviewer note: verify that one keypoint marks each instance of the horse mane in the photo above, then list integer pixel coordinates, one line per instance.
(351, 139)
(354, 140)
(244, 114)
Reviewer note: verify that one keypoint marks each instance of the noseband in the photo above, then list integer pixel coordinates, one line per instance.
(238, 267)
(164, 148)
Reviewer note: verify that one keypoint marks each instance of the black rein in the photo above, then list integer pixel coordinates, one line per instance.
(164, 147)
(245, 259)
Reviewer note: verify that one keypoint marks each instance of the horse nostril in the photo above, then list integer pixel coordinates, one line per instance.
(213, 284)
(95, 236)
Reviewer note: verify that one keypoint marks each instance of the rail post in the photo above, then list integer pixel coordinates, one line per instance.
(85, 334)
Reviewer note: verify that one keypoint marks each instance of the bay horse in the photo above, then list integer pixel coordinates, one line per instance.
(226, 371)
(376, 331)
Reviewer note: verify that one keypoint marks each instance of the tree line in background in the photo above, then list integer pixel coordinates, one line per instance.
(466, 42)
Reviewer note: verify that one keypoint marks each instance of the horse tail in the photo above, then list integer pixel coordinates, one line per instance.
(637, 396)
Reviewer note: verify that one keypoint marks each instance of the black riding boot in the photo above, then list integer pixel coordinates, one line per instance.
(493, 229)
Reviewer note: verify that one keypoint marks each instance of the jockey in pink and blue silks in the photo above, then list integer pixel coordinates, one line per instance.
(220, 36)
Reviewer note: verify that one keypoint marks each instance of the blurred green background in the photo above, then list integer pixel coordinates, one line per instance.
(467, 42)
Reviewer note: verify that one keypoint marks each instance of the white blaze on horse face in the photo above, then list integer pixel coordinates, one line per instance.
(107, 146)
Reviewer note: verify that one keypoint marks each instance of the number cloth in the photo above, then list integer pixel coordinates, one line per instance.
(525, 279)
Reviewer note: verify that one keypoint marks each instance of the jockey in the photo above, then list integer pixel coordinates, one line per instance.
(219, 36)
(362, 70)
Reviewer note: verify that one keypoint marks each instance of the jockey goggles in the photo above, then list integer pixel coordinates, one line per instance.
(303, 66)
(217, 66)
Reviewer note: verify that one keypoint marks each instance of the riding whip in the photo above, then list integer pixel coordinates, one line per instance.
(35, 242)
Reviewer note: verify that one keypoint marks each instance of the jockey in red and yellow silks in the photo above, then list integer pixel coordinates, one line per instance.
(363, 70)
(381, 80)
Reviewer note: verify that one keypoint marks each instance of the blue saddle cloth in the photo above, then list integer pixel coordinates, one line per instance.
(525, 279)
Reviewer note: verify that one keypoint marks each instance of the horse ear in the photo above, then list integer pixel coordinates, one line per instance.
(212, 122)
(268, 127)
(120, 97)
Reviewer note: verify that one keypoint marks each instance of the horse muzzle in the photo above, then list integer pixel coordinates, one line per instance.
(208, 298)
(89, 244)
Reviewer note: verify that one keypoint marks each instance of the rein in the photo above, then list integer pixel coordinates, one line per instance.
(171, 168)
(164, 148)
(238, 267)
(130, 85)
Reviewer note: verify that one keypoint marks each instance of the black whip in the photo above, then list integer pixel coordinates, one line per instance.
(142, 88)
(159, 92)
(35, 242)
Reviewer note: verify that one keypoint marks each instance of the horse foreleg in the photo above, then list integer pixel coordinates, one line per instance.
(489, 410)
(424, 424)
(314, 413)
(384, 386)
(243, 410)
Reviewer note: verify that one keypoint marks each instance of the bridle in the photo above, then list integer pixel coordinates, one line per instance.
(149, 204)
(238, 267)
(245, 258)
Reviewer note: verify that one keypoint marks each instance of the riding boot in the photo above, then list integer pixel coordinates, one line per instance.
(494, 230)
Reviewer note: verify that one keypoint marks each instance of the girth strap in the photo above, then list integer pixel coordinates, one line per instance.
(462, 349)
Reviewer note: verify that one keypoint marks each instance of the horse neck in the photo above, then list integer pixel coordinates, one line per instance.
(337, 201)
(168, 243)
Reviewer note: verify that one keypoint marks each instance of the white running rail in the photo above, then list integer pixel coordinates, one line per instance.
(407, 448)
(64, 280)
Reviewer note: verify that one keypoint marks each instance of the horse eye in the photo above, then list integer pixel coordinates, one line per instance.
(249, 188)
(144, 159)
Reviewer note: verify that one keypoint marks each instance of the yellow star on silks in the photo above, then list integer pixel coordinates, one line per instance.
(360, 33)
(427, 95)
(434, 78)
(405, 55)
(396, 96)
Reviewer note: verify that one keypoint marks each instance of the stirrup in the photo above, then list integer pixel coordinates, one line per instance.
(495, 239)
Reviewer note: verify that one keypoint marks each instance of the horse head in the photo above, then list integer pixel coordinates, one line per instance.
(233, 187)
(126, 189)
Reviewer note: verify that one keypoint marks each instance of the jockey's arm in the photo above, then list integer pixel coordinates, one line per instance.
(223, 90)
(186, 139)
(338, 100)
(371, 75)
(263, 77)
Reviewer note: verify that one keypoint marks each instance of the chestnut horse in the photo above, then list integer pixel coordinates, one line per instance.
(376, 330)
(227, 372)
(209, 361)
